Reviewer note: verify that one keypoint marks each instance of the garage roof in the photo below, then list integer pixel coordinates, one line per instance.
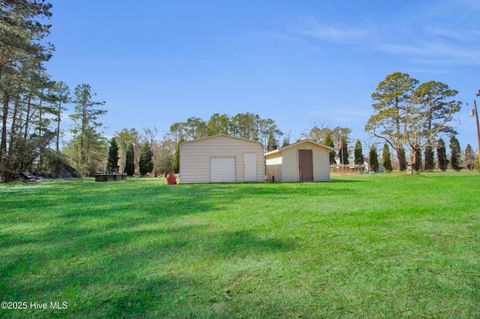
(221, 135)
(300, 142)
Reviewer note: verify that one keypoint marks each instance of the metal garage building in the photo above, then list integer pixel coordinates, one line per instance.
(304, 161)
(221, 159)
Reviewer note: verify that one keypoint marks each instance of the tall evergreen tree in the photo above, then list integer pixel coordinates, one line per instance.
(429, 158)
(455, 154)
(112, 162)
(469, 157)
(386, 158)
(88, 145)
(286, 141)
(343, 151)
(130, 160)
(442, 155)
(331, 154)
(373, 158)
(146, 162)
(358, 153)
(176, 157)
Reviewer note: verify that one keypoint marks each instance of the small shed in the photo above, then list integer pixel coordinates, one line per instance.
(221, 159)
(304, 161)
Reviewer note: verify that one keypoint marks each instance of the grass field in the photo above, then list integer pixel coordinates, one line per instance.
(384, 246)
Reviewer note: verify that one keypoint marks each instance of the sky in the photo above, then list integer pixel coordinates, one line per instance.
(298, 62)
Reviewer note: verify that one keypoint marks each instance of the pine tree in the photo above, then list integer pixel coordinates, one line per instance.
(130, 160)
(442, 155)
(429, 158)
(455, 154)
(469, 157)
(112, 162)
(329, 142)
(343, 152)
(176, 157)
(272, 143)
(386, 158)
(402, 161)
(286, 141)
(146, 163)
(358, 153)
(373, 158)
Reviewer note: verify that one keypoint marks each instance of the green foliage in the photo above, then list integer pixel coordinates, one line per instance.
(272, 143)
(146, 159)
(112, 162)
(429, 158)
(386, 158)
(455, 154)
(245, 125)
(88, 146)
(343, 151)
(176, 157)
(373, 158)
(130, 161)
(390, 100)
(442, 155)
(358, 153)
(470, 158)
(218, 124)
(331, 154)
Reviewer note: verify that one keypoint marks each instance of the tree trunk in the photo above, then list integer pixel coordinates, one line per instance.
(58, 127)
(3, 143)
(27, 117)
(13, 125)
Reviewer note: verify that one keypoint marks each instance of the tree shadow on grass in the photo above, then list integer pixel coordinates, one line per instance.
(126, 272)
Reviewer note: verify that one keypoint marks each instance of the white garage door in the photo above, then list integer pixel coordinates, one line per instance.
(222, 170)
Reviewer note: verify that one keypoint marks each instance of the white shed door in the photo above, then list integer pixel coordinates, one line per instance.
(250, 167)
(222, 170)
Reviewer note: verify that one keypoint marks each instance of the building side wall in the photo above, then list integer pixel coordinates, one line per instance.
(195, 158)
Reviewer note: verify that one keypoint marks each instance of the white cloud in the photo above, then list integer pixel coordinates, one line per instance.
(311, 27)
(435, 52)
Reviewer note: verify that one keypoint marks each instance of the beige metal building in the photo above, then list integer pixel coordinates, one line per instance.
(221, 159)
(304, 161)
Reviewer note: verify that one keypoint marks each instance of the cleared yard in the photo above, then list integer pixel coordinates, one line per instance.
(359, 247)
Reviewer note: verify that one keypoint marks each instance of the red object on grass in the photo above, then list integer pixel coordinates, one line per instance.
(171, 179)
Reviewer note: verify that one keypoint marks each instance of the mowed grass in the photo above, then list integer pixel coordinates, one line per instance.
(384, 246)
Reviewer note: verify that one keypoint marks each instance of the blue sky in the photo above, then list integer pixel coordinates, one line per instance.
(298, 62)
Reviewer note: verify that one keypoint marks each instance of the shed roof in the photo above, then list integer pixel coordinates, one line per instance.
(221, 135)
(300, 142)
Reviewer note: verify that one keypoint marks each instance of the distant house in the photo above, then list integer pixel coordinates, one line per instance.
(221, 159)
(304, 161)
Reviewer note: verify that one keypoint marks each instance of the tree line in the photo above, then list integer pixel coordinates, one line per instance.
(409, 117)
(33, 104)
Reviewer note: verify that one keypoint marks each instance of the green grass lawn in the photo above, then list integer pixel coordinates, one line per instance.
(384, 246)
